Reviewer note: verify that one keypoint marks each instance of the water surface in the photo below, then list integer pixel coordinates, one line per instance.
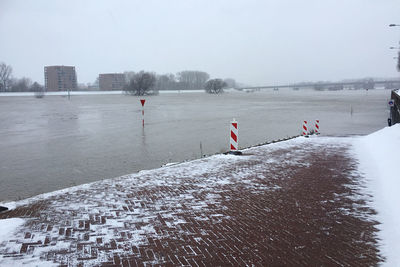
(52, 143)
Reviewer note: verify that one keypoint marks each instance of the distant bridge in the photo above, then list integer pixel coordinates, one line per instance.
(368, 84)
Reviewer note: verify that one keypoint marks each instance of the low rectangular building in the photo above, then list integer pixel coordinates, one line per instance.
(111, 81)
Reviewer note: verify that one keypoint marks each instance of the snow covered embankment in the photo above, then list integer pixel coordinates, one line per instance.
(8, 227)
(378, 154)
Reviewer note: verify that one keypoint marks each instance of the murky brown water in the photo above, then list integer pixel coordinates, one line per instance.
(53, 143)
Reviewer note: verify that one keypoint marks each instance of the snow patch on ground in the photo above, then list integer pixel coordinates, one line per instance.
(8, 228)
(10, 205)
(378, 156)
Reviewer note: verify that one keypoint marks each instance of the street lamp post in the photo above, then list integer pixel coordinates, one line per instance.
(393, 47)
(398, 68)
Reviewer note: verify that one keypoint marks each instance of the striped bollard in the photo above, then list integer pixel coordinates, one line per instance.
(234, 136)
(305, 129)
(234, 139)
(317, 127)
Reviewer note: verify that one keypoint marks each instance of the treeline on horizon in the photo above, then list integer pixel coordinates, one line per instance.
(8, 83)
(183, 80)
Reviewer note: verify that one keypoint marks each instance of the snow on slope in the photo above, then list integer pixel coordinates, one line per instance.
(379, 154)
(8, 227)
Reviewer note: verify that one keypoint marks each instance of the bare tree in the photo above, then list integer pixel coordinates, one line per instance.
(193, 79)
(5, 76)
(20, 85)
(141, 83)
(166, 82)
(128, 76)
(215, 86)
(37, 89)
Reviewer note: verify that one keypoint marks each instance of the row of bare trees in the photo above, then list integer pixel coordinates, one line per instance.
(142, 82)
(10, 84)
(139, 83)
(184, 80)
(5, 76)
(193, 79)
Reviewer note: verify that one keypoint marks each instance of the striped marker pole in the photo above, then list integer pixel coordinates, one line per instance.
(317, 127)
(142, 101)
(234, 136)
(305, 129)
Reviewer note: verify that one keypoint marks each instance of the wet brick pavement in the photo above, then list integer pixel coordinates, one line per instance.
(300, 203)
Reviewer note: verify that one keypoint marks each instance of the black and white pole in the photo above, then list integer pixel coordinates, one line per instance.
(142, 101)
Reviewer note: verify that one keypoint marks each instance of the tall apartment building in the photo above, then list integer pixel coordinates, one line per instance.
(111, 81)
(60, 78)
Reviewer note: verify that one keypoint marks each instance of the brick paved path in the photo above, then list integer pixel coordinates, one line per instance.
(293, 203)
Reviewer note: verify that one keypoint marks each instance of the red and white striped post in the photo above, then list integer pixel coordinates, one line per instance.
(142, 101)
(305, 129)
(234, 136)
(317, 127)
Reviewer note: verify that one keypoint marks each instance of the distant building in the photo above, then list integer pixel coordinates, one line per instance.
(60, 78)
(111, 81)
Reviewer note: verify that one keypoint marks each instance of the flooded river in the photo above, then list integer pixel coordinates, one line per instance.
(52, 143)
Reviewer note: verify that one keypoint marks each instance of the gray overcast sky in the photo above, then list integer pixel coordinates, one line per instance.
(255, 42)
